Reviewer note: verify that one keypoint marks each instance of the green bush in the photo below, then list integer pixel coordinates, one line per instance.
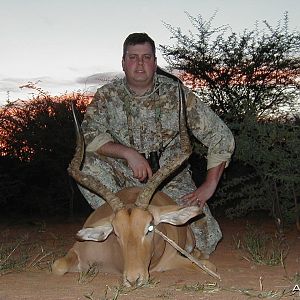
(265, 172)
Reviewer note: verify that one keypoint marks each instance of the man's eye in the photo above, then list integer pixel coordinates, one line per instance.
(132, 56)
(147, 57)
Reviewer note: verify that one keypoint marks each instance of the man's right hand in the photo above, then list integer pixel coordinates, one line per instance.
(138, 164)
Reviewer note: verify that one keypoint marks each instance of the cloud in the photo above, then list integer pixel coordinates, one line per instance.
(19, 88)
(14, 84)
(92, 82)
(10, 88)
(99, 78)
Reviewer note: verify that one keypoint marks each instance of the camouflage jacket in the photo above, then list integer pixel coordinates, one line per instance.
(151, 122)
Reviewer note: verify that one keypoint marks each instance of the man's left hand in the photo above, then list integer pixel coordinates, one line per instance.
(199, 196)
(207, 189)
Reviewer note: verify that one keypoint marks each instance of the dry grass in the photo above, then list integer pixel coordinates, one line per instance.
(262, 248)
(251, 293)
(213, 287)
(295, 279)
(12, 258)
(28, 250)
(112, 293)
(115, 296)
(207, 287)
(87, 276)
(21, 256)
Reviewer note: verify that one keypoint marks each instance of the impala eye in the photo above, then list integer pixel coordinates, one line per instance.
(150, 228)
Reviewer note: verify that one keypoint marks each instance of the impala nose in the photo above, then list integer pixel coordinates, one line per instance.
(135, 280)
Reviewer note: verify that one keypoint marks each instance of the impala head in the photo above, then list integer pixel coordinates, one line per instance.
(134, 227)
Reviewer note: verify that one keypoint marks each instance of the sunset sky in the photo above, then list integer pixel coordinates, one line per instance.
(63, 43)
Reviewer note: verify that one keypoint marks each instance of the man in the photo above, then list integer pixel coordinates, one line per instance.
(131, 128)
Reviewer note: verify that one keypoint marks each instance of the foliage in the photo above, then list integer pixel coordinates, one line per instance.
(253, 73)
(265, 172)
(37, 142)
(252, 81)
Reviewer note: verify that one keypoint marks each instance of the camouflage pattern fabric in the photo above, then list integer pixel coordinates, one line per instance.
(150, 123)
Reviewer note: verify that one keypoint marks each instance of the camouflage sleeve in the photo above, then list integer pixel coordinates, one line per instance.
(210, 130)
(94, 125)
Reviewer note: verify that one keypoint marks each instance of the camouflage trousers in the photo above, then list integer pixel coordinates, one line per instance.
(116, 175)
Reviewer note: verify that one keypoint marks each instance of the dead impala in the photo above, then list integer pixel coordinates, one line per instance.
(120, 237)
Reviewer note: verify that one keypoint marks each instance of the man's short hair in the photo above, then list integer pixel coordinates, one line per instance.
(138, 38)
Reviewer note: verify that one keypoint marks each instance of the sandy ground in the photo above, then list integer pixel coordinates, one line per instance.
(241, 277)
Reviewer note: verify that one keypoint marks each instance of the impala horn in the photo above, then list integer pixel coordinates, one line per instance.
(145, 196)
(88, 181)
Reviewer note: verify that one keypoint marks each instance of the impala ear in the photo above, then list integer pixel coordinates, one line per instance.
(97, 234)
(97, 231)
(173, 214)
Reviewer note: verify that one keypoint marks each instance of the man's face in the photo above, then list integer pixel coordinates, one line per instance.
(139, 65)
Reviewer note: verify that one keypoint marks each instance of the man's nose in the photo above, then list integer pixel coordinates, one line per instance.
(140, 60)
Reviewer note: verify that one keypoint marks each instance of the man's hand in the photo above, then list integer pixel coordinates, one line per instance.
(207, 189)
(200, 195)
(138, 164)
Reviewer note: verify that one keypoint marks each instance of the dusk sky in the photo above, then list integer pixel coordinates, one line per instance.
(62, 43)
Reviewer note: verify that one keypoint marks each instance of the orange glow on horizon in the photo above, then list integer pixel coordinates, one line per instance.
(260, 77)
(16, 114)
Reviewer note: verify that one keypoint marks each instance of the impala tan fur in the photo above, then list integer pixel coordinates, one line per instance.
(119, 236)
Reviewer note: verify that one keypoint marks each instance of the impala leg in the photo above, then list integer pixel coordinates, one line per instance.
(64, 264)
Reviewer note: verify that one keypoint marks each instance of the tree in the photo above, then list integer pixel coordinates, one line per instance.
(38, 142)
(255, 73)
(252, 81)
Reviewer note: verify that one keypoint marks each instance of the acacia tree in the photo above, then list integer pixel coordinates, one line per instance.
(254, 73)
(249, 79)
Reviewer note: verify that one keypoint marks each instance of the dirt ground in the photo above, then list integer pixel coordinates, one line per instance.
(241, 278)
